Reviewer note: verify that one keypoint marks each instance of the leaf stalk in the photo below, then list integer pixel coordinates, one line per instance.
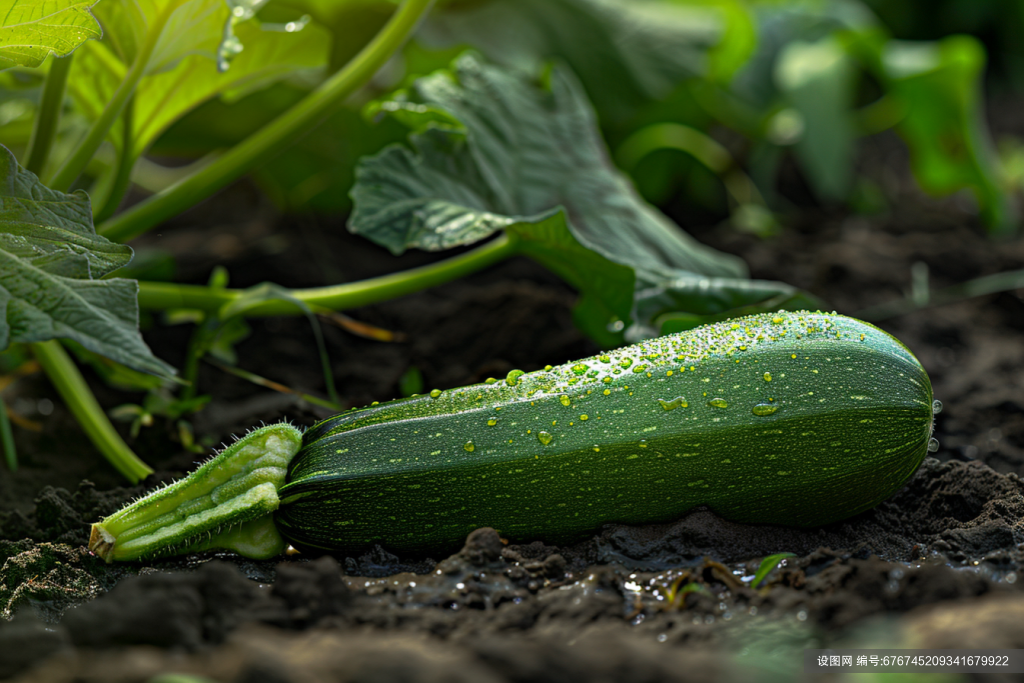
(273, 138)
(162, 296)
(71, 386)
(48, 115)
(86, 149)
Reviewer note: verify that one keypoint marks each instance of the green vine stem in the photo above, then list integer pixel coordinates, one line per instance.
(225, 504)
(162, 296)
(123, 169)
(87, 146)
(48, 115)
(71, 386)
(273, 138)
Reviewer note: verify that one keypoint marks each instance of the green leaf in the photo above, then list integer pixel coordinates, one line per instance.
(665, 306)
(230, 332)
(114, 374)
(625, 52)
(817, 79)
(411, 382)
(781, 24)
(32, 29)
(174, 28)
(493, 150)
(164, 96)
(938, 85)
(520, 153)
(50, 262)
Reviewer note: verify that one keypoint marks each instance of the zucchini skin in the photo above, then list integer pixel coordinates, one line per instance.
(787, 418)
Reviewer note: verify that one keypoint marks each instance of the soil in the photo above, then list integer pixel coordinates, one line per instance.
(937, 565)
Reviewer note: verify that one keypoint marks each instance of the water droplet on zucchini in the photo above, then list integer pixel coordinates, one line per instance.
(764, 409)
(544, 437)
(677, 402)
(718, 403)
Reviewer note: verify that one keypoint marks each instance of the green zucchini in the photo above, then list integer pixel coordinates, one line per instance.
(787, 418)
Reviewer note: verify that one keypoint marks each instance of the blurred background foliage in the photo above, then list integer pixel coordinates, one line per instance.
(700, 101)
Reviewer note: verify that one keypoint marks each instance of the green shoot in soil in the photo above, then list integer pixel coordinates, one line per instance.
(767, 565)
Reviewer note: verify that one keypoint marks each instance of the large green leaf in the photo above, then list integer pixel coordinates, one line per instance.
(817, 79)
(32, 29)
(164, 97)
(938, 86)
(494, 150)
(624, 52)
(173, 29)
(51, 260)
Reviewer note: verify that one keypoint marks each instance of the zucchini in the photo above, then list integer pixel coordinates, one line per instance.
(785, 418)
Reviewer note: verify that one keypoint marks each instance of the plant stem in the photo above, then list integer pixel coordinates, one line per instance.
(71, 386)
(273, 138)
(87, 146)
(7, 439)
(123, 171)
(161, 295)
(988, 284)
(276, 386)
(48, 115)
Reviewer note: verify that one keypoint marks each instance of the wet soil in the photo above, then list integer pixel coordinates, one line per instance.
(937, 565)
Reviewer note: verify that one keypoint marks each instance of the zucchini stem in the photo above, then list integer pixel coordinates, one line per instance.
(224, 504)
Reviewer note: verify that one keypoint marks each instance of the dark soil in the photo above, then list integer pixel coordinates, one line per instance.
(937, 565)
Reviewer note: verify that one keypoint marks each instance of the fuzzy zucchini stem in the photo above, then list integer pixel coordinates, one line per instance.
(225, 504)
